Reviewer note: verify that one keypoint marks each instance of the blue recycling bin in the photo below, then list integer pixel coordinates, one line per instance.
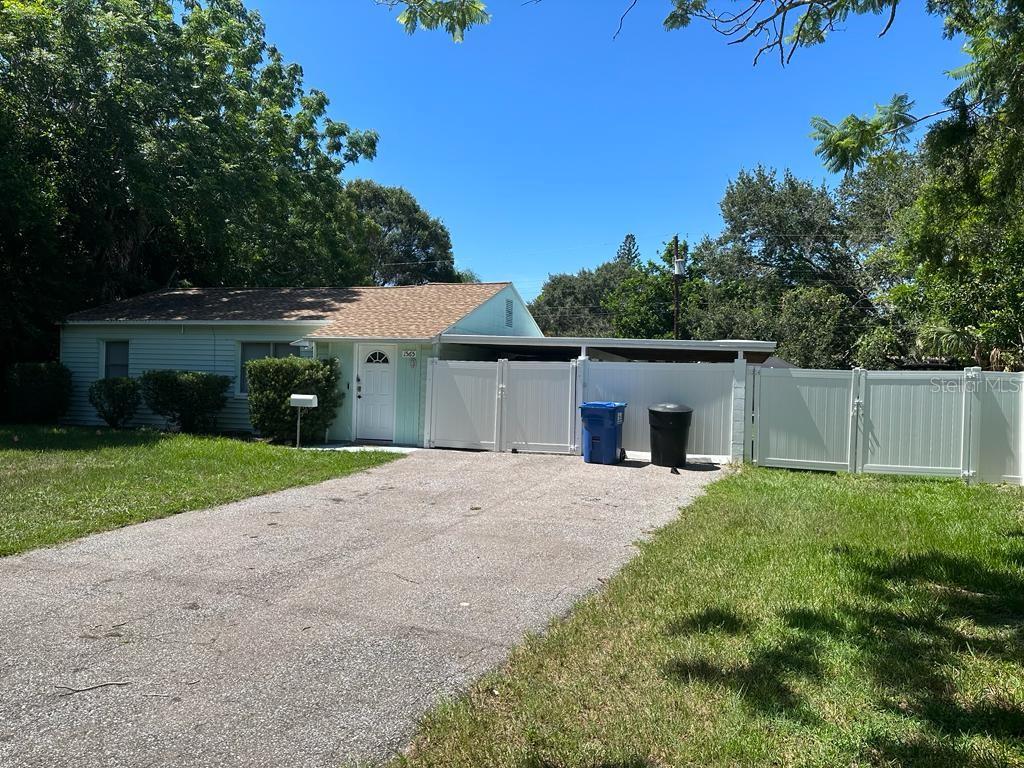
(602, 432)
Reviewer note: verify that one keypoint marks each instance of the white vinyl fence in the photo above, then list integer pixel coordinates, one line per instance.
(502, 406)
(955, 424)
(462, 405)
(538, 406)
(1000, 454)
(534, 406)
(802, 418)
(708, 388)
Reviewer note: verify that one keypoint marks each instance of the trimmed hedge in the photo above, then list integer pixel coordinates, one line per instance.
(273, 380)
(36, 393)
(188, 400)
(116, 399)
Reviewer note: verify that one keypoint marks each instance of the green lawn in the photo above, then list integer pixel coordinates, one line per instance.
(785, 619)
(60, 483)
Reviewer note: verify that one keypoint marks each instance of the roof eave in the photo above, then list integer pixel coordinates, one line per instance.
(124, 321)
(743, 345)
(378, 339)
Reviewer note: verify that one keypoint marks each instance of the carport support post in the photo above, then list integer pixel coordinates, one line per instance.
(739, 408)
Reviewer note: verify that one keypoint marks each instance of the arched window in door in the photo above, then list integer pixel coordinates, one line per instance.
(377, 357)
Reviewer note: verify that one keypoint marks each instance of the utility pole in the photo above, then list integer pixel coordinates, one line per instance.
(678, 265)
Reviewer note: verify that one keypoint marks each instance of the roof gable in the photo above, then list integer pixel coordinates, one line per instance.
(412, 312)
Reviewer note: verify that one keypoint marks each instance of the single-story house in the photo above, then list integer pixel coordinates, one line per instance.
(382, 337)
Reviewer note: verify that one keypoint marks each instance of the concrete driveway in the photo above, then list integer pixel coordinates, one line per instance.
(309, 627)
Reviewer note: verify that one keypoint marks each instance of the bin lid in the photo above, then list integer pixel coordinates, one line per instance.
(606, 405)
(670, 408)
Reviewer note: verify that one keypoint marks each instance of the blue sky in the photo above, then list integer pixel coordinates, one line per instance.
(541, 141)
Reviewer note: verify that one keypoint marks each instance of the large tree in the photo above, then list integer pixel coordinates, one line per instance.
(639, 304)
(404, 244)
(151, 142)
(965, 238)
(572, 304)
(785, 231)
(782, 268)
(772, 26)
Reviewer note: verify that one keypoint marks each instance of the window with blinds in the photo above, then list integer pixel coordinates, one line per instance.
(115, 359)
(257, 350)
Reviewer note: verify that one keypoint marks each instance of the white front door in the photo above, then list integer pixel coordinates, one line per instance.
(375, 391)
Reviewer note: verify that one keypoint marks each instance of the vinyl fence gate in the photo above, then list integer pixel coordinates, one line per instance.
(502, 406)
(955, 424)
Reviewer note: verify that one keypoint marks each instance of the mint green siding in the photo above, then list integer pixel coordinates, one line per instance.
(410, 390)
(490, 318)
(211, 348)
(343, 427)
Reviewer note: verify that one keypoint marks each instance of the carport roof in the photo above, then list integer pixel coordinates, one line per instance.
(667, 349)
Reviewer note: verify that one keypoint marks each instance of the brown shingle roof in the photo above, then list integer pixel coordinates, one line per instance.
(412, 312)
(404, 312)
(219, 304)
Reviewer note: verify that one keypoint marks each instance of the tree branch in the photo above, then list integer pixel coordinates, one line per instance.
(622, 18)
(929, 116)
(892, 18)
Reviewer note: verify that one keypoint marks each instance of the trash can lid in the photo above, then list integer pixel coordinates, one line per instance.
(670, 408)
(607, 405)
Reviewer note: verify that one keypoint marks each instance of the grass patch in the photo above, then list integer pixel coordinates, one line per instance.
(61, 483)
(785, 619)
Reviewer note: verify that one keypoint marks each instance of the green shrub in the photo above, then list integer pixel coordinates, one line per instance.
(878, 348)
(273, 380)
(116, 399)
(188, 400)
(36, 393)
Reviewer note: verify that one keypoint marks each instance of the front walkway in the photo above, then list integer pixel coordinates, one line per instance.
(311, 626)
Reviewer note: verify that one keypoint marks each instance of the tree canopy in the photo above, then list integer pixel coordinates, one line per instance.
(942, 255)
(144, 142)
(572, 305)
(794, 262)
(147, 143)
(404, 244)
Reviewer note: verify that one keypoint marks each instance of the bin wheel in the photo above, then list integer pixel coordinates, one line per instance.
(622, 454)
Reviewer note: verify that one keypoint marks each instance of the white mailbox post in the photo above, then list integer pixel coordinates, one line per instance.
(299, 402)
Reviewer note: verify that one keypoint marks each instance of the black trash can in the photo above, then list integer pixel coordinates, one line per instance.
(670, 430)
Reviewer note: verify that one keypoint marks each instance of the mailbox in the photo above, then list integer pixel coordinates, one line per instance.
(303, 401)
